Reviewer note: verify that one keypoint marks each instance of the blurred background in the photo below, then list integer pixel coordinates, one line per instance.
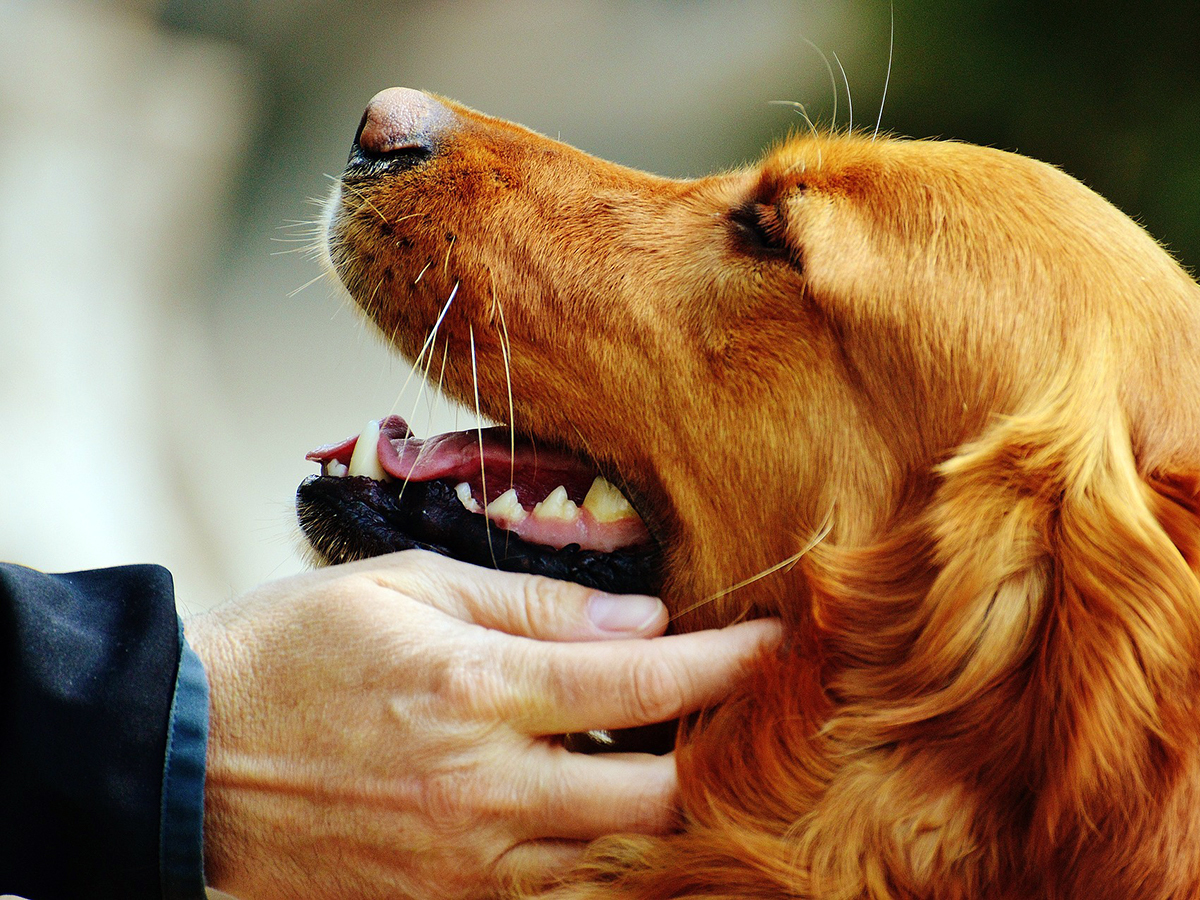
(169, 351)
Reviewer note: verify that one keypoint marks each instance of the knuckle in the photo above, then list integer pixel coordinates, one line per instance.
(444, 800)
(469, 686)
(652, 813)
(535, 606)
(547, 607)
(656, 691)
(459, 800)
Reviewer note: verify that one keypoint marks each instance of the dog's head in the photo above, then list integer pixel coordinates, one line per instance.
(956, 377)
(759, 354)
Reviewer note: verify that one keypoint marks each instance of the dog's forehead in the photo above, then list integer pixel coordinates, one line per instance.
(848, 166)
(860, 165)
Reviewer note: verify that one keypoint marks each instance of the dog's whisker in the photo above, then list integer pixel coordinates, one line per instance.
(449, 250)
(800, 110)
(307, 284)
(428, 365)
(312, 233)
(832, 80)
(888, 78)
(416, 364)
(441, 380)
(799, 107)
(822, 532)
(365, 200)
(416, 404)
(505, 352)
(426, 355)
(421, 274)
(849, 96)
(375, 292)
(487, 527)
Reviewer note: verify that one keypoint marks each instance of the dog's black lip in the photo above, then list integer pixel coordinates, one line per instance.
(350, 517)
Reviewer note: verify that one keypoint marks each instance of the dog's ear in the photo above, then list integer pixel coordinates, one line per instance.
(1031, 642)
(1062, 628)
(1014, 668)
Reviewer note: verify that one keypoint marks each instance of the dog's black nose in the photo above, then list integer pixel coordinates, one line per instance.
(400, 128)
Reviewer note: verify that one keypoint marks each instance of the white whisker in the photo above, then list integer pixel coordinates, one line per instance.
(887, 80)
(430, 339)
(307, 284)
(505, 352)
(786, 564)
(849, 97)
(799, 107)
(361, 196)
(479, 431)
(832, 80)
(441, 380)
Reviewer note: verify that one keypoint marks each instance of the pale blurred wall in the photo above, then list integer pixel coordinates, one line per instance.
(116, 148)
(160, 376)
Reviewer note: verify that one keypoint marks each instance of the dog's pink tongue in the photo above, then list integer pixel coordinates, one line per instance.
(462, 454)
(557, 499)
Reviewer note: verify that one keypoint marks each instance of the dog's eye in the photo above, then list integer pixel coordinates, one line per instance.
(759, 227)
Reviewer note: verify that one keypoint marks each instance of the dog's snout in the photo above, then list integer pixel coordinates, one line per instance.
(400, 128)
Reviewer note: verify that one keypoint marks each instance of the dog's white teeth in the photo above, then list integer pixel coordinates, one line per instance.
(508, 507)
(557, 506)
(335, 469)
(365, 459)
(606, 503)
(464, 497)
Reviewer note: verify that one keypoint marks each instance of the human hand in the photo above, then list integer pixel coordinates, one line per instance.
(386, 728)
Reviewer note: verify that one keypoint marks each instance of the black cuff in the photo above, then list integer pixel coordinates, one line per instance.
(88, 665)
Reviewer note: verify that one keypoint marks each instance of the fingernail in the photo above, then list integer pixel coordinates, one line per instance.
(617, 612)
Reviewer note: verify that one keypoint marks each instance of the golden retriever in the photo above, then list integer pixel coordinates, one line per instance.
(933, 404)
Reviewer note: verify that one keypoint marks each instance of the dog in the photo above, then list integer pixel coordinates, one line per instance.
(932, 404)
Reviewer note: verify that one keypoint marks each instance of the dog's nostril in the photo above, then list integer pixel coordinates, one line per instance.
(400, 126)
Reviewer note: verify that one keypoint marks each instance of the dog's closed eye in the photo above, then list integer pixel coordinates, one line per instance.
(759, 228)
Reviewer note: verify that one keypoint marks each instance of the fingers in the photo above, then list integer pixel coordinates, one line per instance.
(574, 796)
(524, 605)
(531, 867)
(620, 684)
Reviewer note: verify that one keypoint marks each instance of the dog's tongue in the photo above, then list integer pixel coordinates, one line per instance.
(544, 496)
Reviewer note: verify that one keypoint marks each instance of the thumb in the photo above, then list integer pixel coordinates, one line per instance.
(525, 605)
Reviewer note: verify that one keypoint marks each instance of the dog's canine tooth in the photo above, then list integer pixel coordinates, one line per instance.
(557, 506)
(606, 503)
(507, 507)
(365, 459)
(464, 497)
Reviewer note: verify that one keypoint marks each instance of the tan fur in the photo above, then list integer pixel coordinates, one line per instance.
(982, 371)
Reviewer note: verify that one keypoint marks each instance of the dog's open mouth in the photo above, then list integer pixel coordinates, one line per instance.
(480, 496)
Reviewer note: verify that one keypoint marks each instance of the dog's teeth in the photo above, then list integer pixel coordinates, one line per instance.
(464, 497)
(335, 469)
(606, 503)
(507, 507)
(365, 459)
(557, 506)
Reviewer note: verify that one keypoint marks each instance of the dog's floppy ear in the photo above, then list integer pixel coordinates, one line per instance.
(1014, 669)
(1066, 606)
(1031, 642)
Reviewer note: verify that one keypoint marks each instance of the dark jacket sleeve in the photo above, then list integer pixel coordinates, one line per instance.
(88, 669)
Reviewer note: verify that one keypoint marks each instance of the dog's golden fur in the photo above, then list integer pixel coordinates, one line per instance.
(981, 375)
